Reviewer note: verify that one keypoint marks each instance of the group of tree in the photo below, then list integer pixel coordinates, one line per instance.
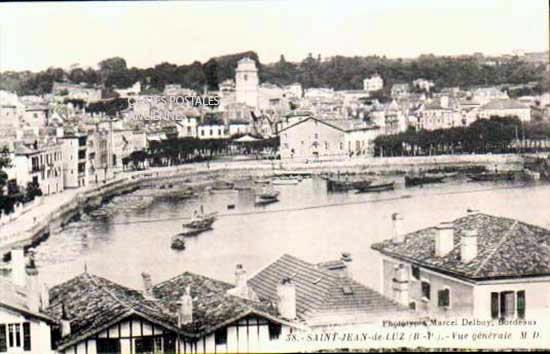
(338, 72)
(494, 135)
(176, 151)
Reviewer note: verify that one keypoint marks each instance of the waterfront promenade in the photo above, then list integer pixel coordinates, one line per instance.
(23, 228)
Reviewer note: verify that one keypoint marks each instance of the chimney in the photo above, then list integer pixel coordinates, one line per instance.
(33, 289)
(45, 296)
(18, 272)
(400, 284)
(397, 221)
(346, 258)
(185, 313)
(60, 132)
(286, 292)
(147, 285)
(468, 245)
(240, 281)
(65, 323)
(444, 239)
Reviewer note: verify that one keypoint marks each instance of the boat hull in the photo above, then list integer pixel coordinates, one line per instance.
(417, 181)
(377, 188)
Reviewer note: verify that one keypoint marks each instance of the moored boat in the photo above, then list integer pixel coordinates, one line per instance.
(267, 196)
(491, 176)
(420, 180)
(377, 187)
(285, 181)
(222, 185)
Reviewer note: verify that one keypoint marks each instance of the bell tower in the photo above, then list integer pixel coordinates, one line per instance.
(246, 79)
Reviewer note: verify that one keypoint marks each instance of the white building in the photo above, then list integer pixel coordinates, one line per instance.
(373, 83)
(239, 128)
(505, 107)
(294, 89)
(212, 130)
(40, 164)
(477, 266)
(187, 127)
(75, 173)
(423, 84)
(24, 327)
(247, 81)
(315, 139)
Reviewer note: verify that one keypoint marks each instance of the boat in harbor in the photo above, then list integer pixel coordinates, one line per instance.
(199, 223)
(267, 196)
(285, 181)
(411, 181)
(222, 185)
(377, 187)
(344, 183)
(178, 242)
(491, 176)
(442, 174)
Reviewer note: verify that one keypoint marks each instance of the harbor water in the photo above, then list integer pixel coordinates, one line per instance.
(307, 222)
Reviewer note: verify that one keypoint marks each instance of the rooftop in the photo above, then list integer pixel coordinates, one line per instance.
(92, 302)
(212, 306)
(504, 104)
(507, 248)
(320, 291)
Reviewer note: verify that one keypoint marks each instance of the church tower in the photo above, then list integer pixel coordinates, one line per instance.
(246, 79)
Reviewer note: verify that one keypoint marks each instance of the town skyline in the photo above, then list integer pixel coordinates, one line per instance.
(269, 30)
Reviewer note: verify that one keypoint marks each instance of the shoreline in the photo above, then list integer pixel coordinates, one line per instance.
(55, 213)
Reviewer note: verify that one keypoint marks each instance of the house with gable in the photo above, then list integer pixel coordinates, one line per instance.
(189, 313)
(479, 265)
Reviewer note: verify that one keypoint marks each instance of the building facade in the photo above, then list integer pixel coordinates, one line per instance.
(479, 265)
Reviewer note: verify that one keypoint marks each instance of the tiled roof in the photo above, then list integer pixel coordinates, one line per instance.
(92, 303)
(504, 104)
(319, 292)
(212, 306)
(507, 248)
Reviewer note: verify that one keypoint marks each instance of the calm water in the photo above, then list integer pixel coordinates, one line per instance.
(134, 240)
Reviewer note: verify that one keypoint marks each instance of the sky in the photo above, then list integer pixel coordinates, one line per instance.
(35, 36)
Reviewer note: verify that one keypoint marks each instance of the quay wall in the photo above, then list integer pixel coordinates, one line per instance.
(201, 174)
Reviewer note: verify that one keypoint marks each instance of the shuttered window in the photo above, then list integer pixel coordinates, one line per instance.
(3, 339)
(221, 336)
(494, 305)
(26, 336)
(521, 304)
(443, 298)
(426, 290)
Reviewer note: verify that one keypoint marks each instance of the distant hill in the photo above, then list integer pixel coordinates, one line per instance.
(338, 72)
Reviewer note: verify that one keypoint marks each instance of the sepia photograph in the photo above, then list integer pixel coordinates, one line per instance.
(274, 176)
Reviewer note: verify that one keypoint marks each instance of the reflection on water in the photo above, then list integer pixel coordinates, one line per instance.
(308, 222)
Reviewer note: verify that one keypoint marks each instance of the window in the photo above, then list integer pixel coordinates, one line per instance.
(443, 298)
(274, 331)
(221, 336)
(415, 272)
(426, 289)
(11, 338)
(3, 339)
(507, 304)
(26, 336)
(316, 136)
(521, 304)
(108, 346)
(412, 305)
